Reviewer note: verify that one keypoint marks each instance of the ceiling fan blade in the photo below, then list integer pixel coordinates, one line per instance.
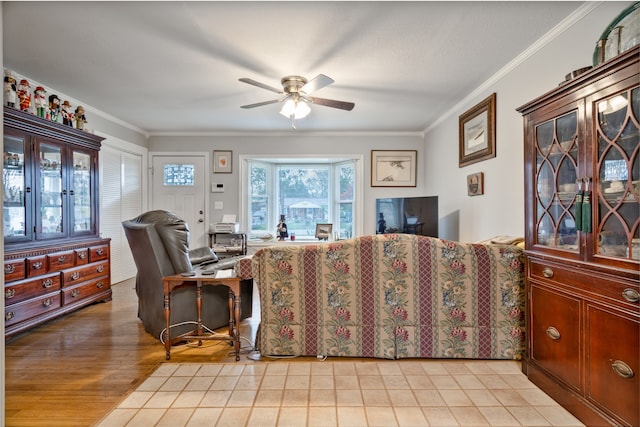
(262, 85)
(343, 105)
(317, 83)
(260, 104)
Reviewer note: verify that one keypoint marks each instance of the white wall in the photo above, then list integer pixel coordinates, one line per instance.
(501, 209)
(298, 143)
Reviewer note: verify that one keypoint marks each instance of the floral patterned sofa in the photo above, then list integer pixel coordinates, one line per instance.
(391, 296)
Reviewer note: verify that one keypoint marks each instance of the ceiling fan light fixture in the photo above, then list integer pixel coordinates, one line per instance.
(297, 109)
(302, 110)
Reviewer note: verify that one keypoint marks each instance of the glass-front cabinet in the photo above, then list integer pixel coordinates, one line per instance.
(81, 194)
(617, 174)
(582, 242)
(51, 191)
(50, 183)
(55, 260)
(586, 177)
(557, 186)
(17, 187)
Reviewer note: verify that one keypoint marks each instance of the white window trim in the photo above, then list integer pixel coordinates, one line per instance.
(358, 201)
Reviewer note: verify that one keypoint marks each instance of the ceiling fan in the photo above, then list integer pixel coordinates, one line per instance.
(296, 91)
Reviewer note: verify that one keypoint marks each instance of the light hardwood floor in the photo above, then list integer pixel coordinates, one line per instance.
(72, 371)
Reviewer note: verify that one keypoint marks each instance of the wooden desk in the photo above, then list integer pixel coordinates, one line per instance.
(199, 280)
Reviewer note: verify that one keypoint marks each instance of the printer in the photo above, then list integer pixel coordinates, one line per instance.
(227, 225)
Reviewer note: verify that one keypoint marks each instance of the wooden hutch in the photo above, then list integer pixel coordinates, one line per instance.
(583, 257)
(54, 258)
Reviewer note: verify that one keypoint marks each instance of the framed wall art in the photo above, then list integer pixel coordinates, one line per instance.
(393, 168)
(323, 231)
(222, 160)
(475, 184)
(477, 129)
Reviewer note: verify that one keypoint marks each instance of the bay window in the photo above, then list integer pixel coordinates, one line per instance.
(307, 191)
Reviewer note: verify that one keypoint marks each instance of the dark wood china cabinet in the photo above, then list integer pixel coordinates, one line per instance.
(55, 260)
(582, 208)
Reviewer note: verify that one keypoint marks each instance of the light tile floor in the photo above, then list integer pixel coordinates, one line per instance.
(339, 393)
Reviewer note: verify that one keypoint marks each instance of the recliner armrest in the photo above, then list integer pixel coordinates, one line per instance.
(200, 255)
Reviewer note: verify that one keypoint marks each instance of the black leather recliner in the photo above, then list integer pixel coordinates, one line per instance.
(159, 242)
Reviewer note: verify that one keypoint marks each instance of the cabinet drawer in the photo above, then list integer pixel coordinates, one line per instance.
(589, 284)
(555, 334)
(80, 274)
(98, 253)
(14, 270)
(36, 266)
(61, 260)
(82, 256)
(84, 290)
(19, 291)
(26, 310)
(613, 364)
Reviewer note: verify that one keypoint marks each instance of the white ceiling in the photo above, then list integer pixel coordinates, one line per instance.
(173, 67)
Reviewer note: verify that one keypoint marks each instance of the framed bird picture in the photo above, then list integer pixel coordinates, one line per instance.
(393, 168)
(478, 132)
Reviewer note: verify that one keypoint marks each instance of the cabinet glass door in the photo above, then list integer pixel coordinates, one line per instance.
(16, 187)
(81, 193)
(556, 188)
(617, 231)
(51, 215)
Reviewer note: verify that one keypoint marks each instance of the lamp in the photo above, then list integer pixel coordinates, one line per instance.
(295, 109)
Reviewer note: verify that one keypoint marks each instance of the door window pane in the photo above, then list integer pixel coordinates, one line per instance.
(179, 175)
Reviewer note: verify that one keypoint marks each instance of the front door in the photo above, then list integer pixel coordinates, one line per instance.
(178, 185)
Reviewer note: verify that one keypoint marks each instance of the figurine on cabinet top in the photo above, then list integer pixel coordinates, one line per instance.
(40, 101)
(282, 229)
(10, 91)
(54, 107)
(24, 95)
(80, 118)
(67, 113)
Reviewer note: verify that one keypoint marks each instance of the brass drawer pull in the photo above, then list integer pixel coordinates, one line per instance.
(47, 302)
(547, 272)
(100, 268)
(553, 333)
(100, 251)
(75, 275)
(82, 255)
(9, 293)
(37, 265)
(631, 295)
(47, 283)
(622, 369)
(100, 284)
(62, 258)
(75, 293)
(9, 315)
(9, 269)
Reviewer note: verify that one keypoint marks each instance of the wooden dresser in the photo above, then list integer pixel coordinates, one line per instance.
(55, 259)
(44, 283)
(583, 250)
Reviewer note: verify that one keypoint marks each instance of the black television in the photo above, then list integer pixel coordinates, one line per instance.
(410, 215)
